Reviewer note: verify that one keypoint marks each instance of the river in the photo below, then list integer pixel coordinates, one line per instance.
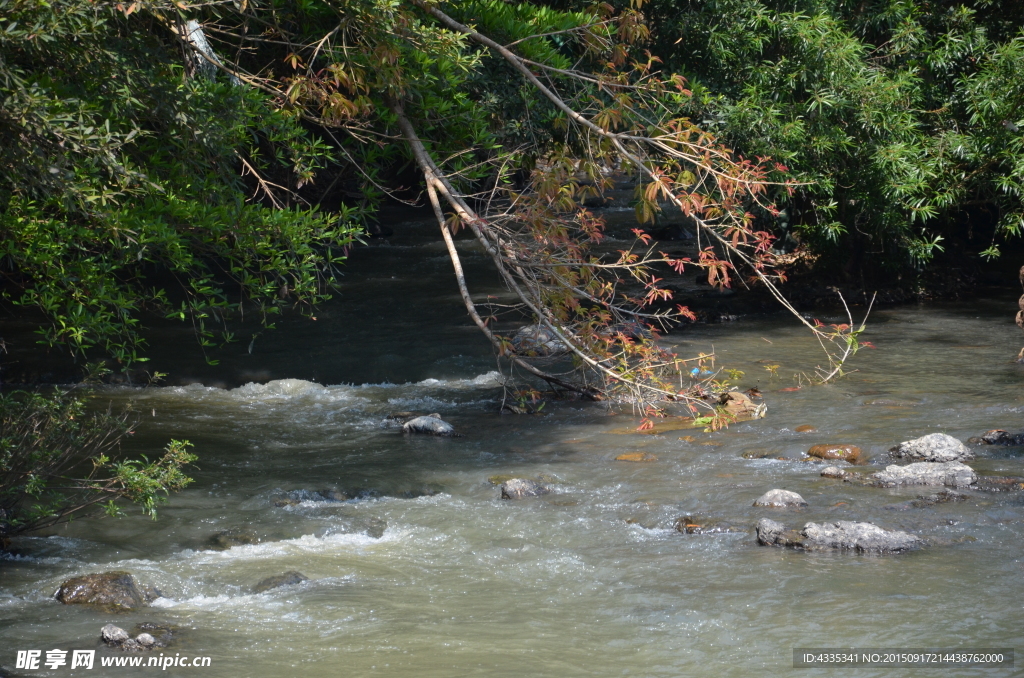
(426, 572)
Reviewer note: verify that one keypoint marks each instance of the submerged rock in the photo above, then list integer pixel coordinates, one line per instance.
(924, 501)
(999, 483)
(287, 579)
(431, 424)
(843, 535)
(116, 590)
(162, 634)
(518, 488)
(952, 473)
(637, 456)
(842, 452)
(702, 525)
(233, 537)
(805, 428)
(397, 419)
(937, 447)
(780, 499)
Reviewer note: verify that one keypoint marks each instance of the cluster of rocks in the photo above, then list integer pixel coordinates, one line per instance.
(116, 637)
(936, 460)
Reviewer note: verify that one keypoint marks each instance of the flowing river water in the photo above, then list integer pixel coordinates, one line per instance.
(426, 572)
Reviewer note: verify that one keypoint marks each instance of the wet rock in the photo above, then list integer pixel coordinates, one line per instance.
(834, 472)
(518, 488)
(145, 640)
(432, 424)
(780, 499)
(741, 406)
(924, 501)
(115, 590)
(937, 447)
(760, 453)
(952, 473)
(281, 502)
(843, 452)
(806, 428)
(844, 535)
(287, 579)
(998, 436)
(637, 456)
(114, 635)
(943, 497)
(233, 537)
(538, 341)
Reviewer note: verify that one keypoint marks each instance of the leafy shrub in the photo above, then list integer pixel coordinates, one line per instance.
(57, 460)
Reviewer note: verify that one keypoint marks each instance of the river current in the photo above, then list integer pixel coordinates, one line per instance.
(425, 571)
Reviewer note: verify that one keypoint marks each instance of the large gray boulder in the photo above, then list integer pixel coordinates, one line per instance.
(432, 424)
(116, 590)
(937, 447)
(518, 488)
(952, 473)
(842, 535)
(780, 499)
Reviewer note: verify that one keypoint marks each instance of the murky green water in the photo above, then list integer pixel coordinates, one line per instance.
(429, 573)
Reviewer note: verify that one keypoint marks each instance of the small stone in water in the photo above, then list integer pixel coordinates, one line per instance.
(145, 640)
(517, 488)
(780, 499)
(113, 635)
(431, 424)
(636, 456)
(834, 472)
(806, 428)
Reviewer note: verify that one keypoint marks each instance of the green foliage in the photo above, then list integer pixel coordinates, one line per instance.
(903, 117)
(57, 460)
(129, 187)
